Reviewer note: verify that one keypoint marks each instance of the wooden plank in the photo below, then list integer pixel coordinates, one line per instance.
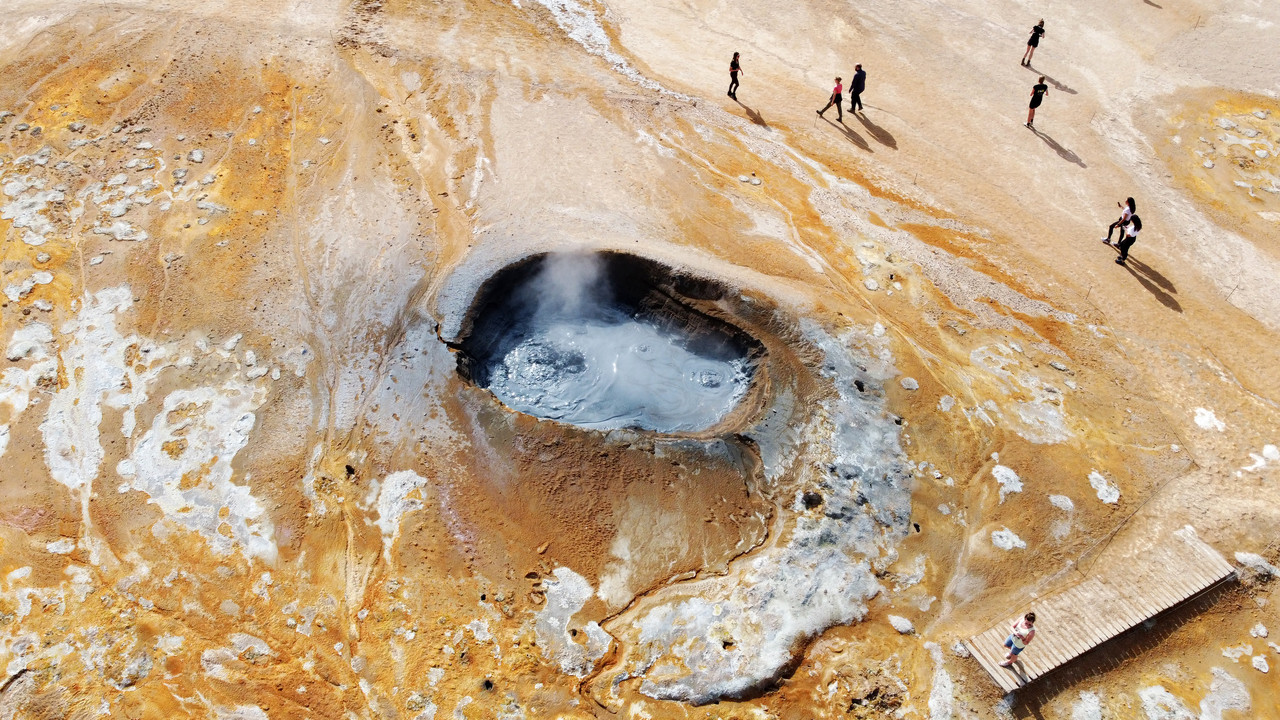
(999, 674)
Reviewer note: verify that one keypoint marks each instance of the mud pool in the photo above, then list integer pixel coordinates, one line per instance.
(593, 340)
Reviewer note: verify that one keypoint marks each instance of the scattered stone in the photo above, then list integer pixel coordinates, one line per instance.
(1058, 366)
(144, 145)
(744, 178)
(21, 127)
(755, 181)
(901, 624)
(1258, 631)
(1062, 502)
(1208, 164)
(910, 384)
(43, 257)
(76, 127)
(960, 650)
(871, 284)
(196, 156)
(1260, 663)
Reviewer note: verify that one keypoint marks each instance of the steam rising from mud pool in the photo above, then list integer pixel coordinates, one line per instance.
(594, 340)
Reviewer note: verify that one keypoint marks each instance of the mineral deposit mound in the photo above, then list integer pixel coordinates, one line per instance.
(608, 340)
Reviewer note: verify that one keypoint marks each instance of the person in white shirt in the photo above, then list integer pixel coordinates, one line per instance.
(1021, 635)
(1127, 209)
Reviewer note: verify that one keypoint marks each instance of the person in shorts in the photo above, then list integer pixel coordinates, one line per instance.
(837, 97)
(1034, 42)
(734, 68)
(1020, 635)
(1037, 96)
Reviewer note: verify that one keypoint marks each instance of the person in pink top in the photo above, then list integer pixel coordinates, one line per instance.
(1021, 635)
(837, 97)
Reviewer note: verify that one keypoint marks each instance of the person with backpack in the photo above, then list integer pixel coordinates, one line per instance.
(1037, 96)
(1034, 42)
(837, 97)
(1127, 209)
(856, 87)
(734, 68)
(1130, 237)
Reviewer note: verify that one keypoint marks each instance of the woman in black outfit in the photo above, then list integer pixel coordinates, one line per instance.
(734, 69)
(1033, 43)
(1037, 96)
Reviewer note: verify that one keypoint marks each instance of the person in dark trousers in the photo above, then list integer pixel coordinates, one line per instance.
(837, 97)
(734, 68)
(1130, 237)
(1037, 96)
(1034, 42)
(856, 87)
(1127, 209)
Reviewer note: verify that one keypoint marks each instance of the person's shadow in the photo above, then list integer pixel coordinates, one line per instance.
(853, 137)
(755, 117)
(1057, 85)
(1063, 153)
(1155, 283)
(881, 135)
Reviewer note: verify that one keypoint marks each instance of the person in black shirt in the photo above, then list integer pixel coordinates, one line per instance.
(1033, 43)
(856, 87)
(1037, 96)
(734, 69)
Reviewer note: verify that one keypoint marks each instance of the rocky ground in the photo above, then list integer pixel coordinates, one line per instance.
(241, 476)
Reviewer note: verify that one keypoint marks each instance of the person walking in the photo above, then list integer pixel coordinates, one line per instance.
(1037, 96)
(734, 68)
(837, 97)
(1034, 42)
(856, 87)
(1130, 237)
(1021, 634)
(1127, 209)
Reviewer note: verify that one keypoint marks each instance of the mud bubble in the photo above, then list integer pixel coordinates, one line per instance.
(609, 340)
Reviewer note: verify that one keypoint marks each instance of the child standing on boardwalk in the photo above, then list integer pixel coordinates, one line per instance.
(1037, 96)
(837, 97)
(1021, 635)
(1033, 43)
(734, 68)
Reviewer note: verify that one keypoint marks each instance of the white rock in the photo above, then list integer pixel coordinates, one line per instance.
(871, 284)
(1008, 479)
(1258, 631)
(196, 156)
(1260, 663)
(1006, 540)
(910, 384)
(902, 624)
(1258, 563)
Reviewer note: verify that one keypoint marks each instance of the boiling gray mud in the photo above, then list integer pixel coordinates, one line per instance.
(607, 341)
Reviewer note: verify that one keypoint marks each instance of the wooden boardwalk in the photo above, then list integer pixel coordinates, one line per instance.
(1076, 619)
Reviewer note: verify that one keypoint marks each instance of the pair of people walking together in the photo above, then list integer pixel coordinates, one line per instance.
(856, 89)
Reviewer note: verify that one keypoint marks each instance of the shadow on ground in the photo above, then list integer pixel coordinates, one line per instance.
(1057, 85)
(755, 117)
(1155, 283)
(852, 136)
(1063, 153)
(881, 135)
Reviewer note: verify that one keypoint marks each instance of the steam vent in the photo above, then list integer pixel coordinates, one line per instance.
(406, 360)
